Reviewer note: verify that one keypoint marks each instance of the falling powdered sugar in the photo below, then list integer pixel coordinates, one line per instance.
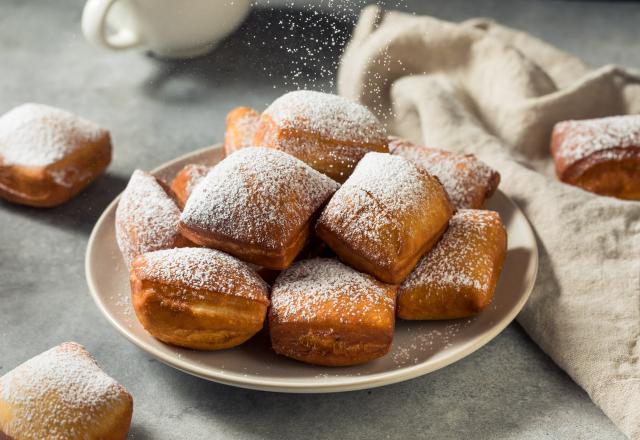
(36, 135)
(202, 268)
(258, 195)
(319, 285)
(57, 391)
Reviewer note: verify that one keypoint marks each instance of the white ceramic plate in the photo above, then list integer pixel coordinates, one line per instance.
(418, 347)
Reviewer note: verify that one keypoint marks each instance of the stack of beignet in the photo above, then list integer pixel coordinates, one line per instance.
(387, 242)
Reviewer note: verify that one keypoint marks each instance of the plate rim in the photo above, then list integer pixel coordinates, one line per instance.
(242, 381)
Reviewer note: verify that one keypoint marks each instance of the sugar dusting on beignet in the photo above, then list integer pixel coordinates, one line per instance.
(326, 313)
(328, 132)
(458, 277)
(63, 394)
(467, 180)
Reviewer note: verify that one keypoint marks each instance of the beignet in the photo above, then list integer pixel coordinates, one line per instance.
(326, 313)
(257, 205)
(48, 155)
(242, 123)
(458, 277)
(147, 217)
(197, 298)
(62, 394)
(467, 180)
(328, 132)
(599, 155)
(186, 179)
(385, 217)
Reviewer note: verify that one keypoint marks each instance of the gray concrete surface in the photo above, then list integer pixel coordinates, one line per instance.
(158, 110)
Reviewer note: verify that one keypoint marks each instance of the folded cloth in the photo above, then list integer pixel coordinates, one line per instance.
(482, 88)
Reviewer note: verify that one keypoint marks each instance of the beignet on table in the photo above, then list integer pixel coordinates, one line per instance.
(48, 155)
(599, 155)
(62, 394)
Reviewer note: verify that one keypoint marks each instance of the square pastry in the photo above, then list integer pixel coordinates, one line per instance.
(458, 277)
(326, 313)
(328, 132)
(197, 298)
(467, 180)
(385, 217)
(599, 155)
(257, 204)
(48, 155)
(147, 217)
(63, 394)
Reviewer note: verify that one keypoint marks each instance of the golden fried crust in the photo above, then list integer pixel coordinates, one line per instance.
(197, 298)
(186, 180)
(147, 217)
(62, 394)
(48, 155)
(257, 204)
(467, 180)
(325, 313)
(242, 123)
(329, 133)
(385, 217)
(599, 155)
(458, 277)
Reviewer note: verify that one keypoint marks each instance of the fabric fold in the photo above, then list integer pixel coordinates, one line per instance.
(480, 87)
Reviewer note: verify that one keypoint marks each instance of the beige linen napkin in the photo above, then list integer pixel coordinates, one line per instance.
(486, 89)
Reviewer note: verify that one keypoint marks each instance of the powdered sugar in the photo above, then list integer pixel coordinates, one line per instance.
(202, 268)
(464, 248)
(319, 285)
(422, 341)
(37, 135)
(243, 130)
(373, 204)
(258, 195)
(58, 393)
(585, 137)
(196, 173)
(466, 179)
(147, 218)
(330, 116)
